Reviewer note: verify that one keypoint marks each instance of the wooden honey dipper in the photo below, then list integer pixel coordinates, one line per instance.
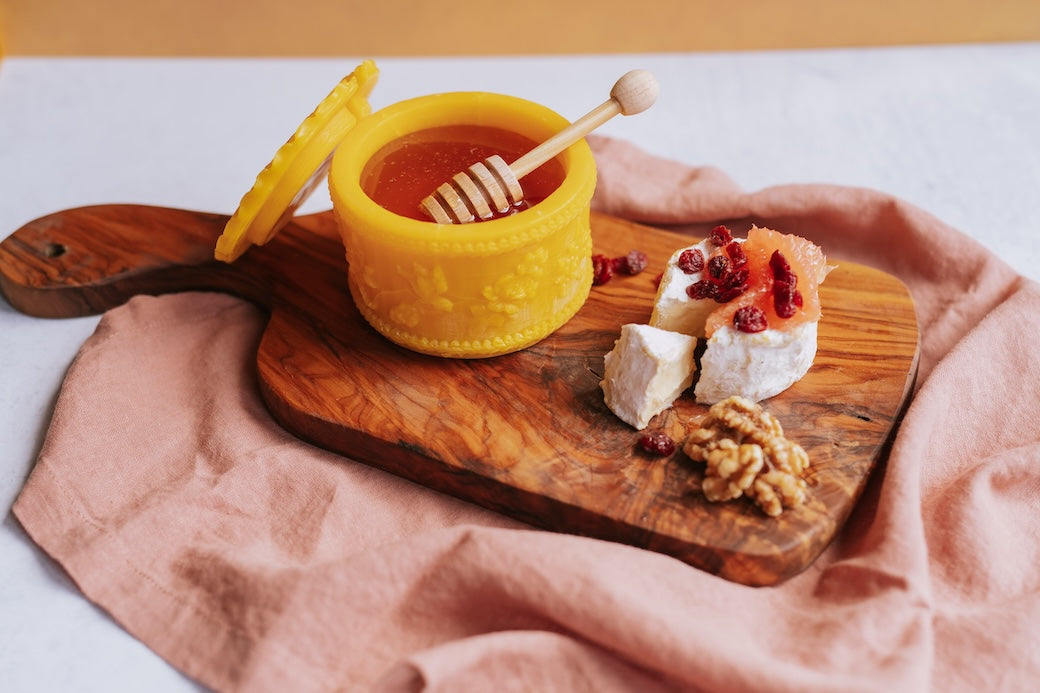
(491, 185)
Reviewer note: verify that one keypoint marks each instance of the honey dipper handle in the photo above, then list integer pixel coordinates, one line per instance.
(634, 92)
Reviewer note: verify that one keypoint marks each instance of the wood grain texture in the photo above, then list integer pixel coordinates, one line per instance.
(526, 434)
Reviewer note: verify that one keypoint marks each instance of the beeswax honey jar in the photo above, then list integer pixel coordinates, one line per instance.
(461, 290)
(454, 290)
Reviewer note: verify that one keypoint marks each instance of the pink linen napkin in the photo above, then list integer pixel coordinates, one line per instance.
(254, 562)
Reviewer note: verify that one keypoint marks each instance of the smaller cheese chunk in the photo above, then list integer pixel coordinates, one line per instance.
(646, 372)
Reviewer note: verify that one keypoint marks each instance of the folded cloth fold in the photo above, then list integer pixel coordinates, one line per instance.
(252, 561)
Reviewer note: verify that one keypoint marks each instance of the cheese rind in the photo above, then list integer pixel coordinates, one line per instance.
(755, 366)
(646, 372)
(673, 308)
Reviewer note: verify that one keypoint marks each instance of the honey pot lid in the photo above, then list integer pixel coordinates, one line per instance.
(298, 166)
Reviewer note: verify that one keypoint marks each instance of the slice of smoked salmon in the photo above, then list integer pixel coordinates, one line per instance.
(807, 263)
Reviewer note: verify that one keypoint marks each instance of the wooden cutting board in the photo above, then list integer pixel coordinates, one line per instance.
(526, 434)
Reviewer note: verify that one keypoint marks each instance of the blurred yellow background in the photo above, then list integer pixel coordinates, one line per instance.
(468, 27)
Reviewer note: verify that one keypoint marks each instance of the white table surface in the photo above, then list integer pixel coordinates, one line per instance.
(954, 130)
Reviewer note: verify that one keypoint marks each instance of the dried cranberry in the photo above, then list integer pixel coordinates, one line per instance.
(736, 254)
(633, 263)
(783, 299)
(781, 268)
(785, 310)
(727, 295)
(602, 269)
(738, 277)
(705, 288)
(718, 266)
(750, 319)
(691, 260)
(787, 301)
(657, 443)
(732, 285)
(720, 236)
(658, 279)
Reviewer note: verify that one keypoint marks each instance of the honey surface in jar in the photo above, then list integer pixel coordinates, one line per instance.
(408, 169)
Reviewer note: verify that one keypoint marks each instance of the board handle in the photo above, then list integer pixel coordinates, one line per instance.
(86, 260)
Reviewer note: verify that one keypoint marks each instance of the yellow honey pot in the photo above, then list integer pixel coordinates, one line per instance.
(462, 291)
(471, 290)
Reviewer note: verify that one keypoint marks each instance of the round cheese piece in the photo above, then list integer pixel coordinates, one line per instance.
(755, 366)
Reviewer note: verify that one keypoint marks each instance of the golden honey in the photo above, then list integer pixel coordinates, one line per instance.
(403, 173)
(470, 290)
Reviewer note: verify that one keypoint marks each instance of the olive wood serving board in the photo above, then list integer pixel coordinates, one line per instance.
(526, 434)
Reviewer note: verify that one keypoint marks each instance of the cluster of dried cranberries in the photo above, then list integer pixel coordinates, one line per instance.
(787, 299)
(727, 273)
(727, 276)
(604, 268)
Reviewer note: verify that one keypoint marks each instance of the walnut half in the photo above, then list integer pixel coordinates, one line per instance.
(746, 454)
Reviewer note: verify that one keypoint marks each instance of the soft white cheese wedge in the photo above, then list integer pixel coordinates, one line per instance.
(673, 308)
(756, 366)
(646, 371)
